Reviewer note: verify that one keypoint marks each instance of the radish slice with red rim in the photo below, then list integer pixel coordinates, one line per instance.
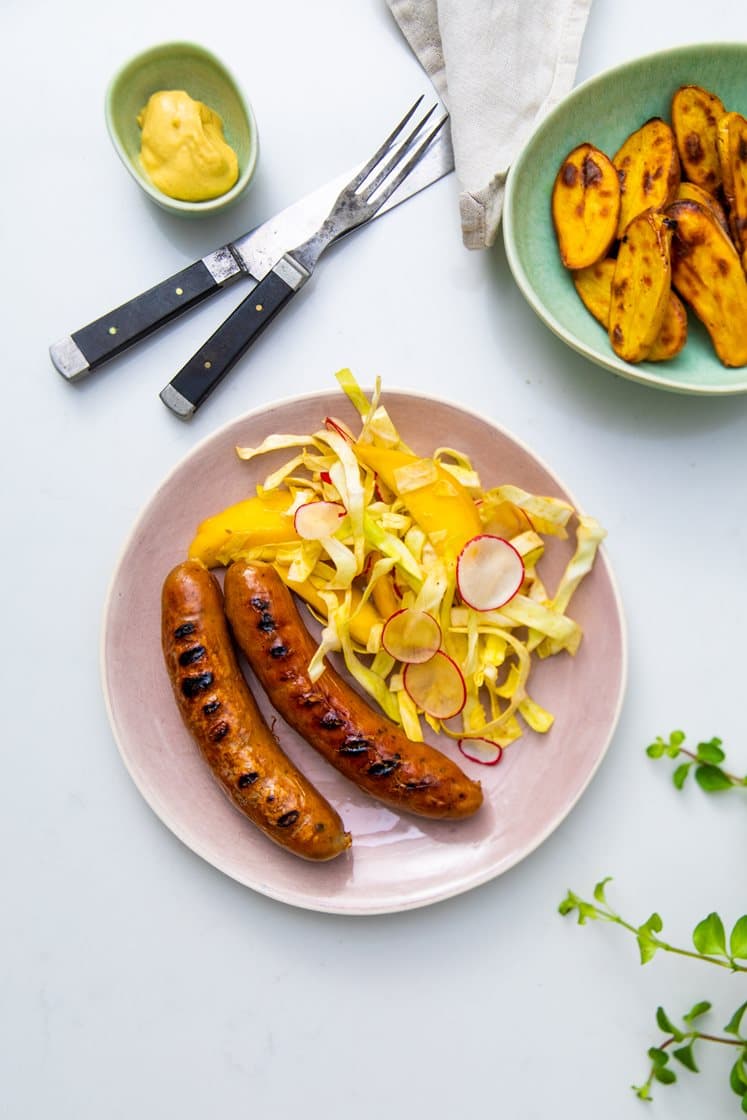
(484, 751)
(412, 636)
(315, 520)
(332, 424)
(489, 572)
(436, 686)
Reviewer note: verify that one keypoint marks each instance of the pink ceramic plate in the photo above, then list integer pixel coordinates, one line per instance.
(396, 862)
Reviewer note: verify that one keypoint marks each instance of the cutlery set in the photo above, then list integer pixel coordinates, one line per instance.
(280, 255)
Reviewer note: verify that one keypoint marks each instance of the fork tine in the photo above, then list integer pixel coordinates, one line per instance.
(378, 155)
(396, 157)
(406, 168)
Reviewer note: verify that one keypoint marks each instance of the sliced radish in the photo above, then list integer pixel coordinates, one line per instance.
(334, 425)
(411, 636)
(315, 520)
(489, 572)
(484, 751)
(436, 686)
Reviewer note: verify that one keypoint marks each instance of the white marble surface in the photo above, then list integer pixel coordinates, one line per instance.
(136, 979)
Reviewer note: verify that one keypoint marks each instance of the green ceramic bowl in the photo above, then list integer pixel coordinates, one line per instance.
(603, 111)
(189, 67)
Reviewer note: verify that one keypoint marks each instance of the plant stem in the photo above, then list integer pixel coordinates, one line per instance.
(735, 781)
(610, 916)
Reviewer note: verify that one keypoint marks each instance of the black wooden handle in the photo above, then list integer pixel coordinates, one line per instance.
(206, 369)
(90, 347)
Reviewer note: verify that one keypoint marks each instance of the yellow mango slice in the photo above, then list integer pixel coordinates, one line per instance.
(443, 509)
(255, 521)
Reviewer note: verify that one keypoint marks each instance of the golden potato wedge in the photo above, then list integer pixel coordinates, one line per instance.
(733, 153)
(672, 334)
(594, 286)
(585, 206)
(648, 168)
(697, 194)
(640, 285)
(708, 274)
(695, 115)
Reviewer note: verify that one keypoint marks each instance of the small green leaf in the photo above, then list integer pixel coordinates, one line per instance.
(679, 775)
(738, 939)
(643, 1092)
(658, 1056)
(568, 905)
(711, 779)
(666, 1076)
(665, 1024)
(599, 890)
(737, 1077)
(744, 1103)
(710, 752)
(656, 750)
(697, 1010)
(676, 738)
(647, 942)
(732, 1027)
(684, 1054)
(709, 936)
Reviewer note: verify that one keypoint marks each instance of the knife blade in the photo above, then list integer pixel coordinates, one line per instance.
(250, 256)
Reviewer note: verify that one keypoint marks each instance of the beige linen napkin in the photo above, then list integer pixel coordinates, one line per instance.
(498, 66)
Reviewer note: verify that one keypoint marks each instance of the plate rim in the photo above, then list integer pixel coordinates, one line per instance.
(639, 375)
(286, 896)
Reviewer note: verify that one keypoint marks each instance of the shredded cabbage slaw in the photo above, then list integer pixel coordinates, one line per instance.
(387, 553)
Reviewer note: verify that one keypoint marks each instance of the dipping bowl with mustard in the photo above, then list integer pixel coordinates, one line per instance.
(183, 128)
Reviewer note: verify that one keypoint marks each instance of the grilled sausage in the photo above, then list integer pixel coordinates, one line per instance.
(363, 745)
(223, 718)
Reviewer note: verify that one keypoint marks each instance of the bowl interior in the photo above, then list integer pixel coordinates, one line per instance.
(191, 68)
(604, 111)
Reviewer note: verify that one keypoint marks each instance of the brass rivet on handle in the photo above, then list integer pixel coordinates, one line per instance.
(208, 365)
(258, 307)
(112, 330)
(179, 291)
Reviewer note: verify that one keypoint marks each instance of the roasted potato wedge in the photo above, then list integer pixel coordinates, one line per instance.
(594, 286)
(640, 285)
(708, 274)
(695, 116)
(585, 206)
(697, 194)
(733, 154)
(648, 168)
(672, 334)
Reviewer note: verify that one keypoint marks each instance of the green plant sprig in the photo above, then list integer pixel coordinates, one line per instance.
(710, 945)
(709, 935)
(706, 760)
(686, 1037)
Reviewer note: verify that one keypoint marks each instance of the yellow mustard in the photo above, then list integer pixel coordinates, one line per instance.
(183, 149)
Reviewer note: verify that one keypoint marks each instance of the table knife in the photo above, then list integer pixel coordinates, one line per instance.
(251, 256)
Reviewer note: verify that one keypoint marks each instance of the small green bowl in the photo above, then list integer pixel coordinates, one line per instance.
(603, 111)
(189, 67)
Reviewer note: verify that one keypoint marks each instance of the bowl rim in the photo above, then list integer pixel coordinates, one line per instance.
(182, 206)
(643, 375)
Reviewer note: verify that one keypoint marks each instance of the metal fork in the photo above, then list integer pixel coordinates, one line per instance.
(358, 201)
